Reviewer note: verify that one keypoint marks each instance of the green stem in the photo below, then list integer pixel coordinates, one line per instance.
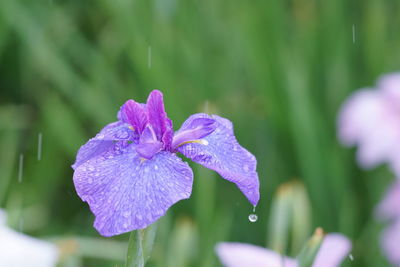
(140, 245)
(135, 257)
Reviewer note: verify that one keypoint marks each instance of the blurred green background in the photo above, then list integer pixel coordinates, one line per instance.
(278, 69)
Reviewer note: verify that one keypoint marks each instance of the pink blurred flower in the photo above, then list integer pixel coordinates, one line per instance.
(370, 119)
(334, 248)
(390, 242)
(389, 209)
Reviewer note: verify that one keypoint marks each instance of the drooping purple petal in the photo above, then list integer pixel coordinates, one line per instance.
(390, 241)
(197, 129)
(148, 144)
(221, 152)
(389, 208)
(103, 141)
(240, 255)
(334, 249)
(127, 193)
(158, 118)
(134, 114)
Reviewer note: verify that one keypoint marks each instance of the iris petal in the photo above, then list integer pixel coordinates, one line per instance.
(194, 130)
(221, 152)
(134, 114)
(103, 141)
(126, 193)
(158, 118)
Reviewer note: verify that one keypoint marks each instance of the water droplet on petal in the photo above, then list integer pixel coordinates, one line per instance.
(126, 214)
(204, 142)
(156, 167)
(253, 217)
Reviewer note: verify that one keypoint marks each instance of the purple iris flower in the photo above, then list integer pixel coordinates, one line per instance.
(130, 174)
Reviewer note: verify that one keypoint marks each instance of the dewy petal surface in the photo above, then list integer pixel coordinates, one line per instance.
(221, 152)
(334, 249)
(158, 118)
(126, 193)
(243, 255)
(103, 141)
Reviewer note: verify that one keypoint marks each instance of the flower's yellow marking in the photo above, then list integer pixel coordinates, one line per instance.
(131, 127)
(142, 160)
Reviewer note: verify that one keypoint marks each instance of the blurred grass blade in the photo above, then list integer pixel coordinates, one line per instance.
(182, 246)
(140, 245)
(310, 250)
(301, 226)
(281, 216)
(290, 218)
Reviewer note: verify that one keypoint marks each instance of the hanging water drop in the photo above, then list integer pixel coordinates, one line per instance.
(351, 257)
(253, 217)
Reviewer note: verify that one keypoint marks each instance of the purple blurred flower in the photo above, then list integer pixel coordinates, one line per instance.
(130, 175)
(370, 119)
(389, 209)
(334, 248)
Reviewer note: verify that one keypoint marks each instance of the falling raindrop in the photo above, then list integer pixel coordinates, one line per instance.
(20, 168)
(39, 150)
(253, 217)
(149, 57)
